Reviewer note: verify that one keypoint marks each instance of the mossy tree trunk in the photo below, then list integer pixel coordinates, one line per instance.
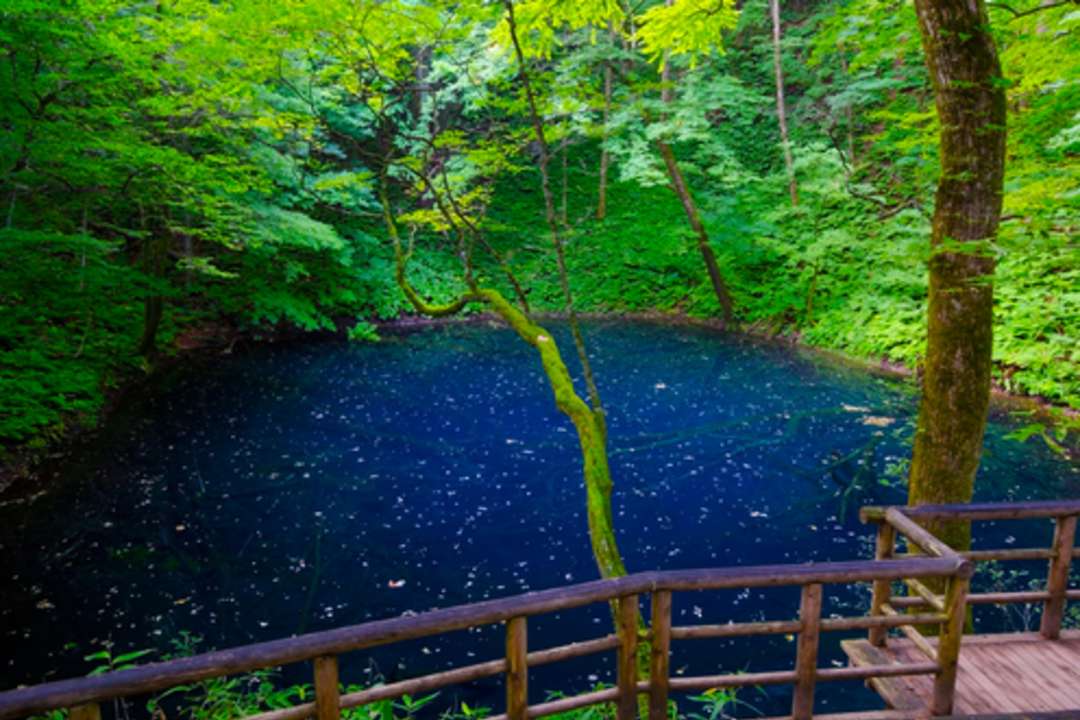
(970, 98)
(591, 431)
(588, 421)
(588, 417)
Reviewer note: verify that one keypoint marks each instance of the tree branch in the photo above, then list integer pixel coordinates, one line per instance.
(1031, 11)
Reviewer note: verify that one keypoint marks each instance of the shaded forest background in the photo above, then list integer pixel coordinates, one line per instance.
(176, 176)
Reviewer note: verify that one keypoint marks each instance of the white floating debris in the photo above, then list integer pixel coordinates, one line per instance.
(395, 584)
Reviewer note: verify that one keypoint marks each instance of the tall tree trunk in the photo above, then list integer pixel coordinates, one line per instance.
(849, 116)
(970, 98)
(564, 200)
(679, 187)
(154, 305)
(605, 157)
(422, 65)
(781, 111)
(11, 207)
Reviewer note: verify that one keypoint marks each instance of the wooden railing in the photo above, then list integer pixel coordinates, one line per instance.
(955, 599)
(934, 560)
(1062, 550)
(83, 695)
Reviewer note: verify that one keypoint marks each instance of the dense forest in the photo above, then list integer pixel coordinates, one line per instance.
(177, 175)
(294, 201)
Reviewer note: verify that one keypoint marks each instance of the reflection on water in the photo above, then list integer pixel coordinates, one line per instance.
(296, 488)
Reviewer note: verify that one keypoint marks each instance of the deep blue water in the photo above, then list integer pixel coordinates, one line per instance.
(300, 487)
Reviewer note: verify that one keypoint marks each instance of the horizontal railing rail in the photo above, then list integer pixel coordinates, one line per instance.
(978, 511)
(83, 694)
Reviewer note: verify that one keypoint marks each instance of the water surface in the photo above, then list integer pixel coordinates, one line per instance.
(300, 487)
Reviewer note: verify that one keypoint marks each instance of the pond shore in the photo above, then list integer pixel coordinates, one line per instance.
(20, 483)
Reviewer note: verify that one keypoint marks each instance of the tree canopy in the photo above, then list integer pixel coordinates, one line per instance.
(181, 173)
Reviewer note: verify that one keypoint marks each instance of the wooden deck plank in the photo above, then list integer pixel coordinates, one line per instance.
(898, 693)
(1007, 675)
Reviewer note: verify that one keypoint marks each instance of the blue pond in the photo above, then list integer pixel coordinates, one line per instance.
(293, 488)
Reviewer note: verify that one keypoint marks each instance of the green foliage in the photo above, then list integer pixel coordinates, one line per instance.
(717, 704)
(1058, 428)
(110, 662)
(217, 164)
(846, 269)
(691, 27)
(69, 326)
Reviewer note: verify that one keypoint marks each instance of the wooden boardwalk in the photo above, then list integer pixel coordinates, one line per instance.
(1003, 673)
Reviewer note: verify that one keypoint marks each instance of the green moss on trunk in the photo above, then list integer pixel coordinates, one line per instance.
(591, 432)
(970, 99)
(589, 422)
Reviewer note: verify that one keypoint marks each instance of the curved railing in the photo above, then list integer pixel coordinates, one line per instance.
(1062, 550)
(83, 695)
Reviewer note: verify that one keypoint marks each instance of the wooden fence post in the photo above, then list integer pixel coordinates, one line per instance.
(1057, 581)
(627, 657)
(802, 704)
(517, 673)
(660, 655)
(948, 649)
(886, 548)
(327, 692)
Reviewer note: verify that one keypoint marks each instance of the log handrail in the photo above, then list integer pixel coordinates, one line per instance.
(1060, 554)
(917, 534)
(82, 695)
(978, 511)
(155, 677)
